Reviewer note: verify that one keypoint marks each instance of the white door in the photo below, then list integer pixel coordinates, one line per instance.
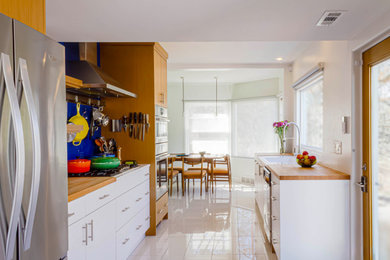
(101, 233)
(77, 240)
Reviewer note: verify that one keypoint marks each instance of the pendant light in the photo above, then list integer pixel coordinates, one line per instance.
(216, 96)
(182, 86)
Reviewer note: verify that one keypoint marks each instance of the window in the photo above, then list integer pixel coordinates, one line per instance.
(310, 112)
(252, 126)
(206, 131)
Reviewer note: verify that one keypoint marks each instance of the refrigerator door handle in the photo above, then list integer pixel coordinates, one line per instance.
(6, 69)
(24, 79)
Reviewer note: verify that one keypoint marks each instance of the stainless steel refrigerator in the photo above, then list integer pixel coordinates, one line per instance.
(33, 173)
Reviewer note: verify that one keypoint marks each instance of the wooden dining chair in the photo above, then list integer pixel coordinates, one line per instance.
(171, 174)
(178, 167)
(196, 171)
(220, 170)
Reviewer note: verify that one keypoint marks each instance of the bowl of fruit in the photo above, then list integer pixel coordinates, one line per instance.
(305, 160)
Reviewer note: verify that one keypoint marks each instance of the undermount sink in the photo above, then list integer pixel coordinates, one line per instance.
(278, 159)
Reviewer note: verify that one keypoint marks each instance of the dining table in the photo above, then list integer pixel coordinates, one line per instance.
(209, 158)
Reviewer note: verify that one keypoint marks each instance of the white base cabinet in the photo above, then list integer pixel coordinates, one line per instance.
(110, 222)
(310, 219)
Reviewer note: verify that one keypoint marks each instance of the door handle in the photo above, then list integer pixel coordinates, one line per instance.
(24, 80)
(86, 234)
(91, 224)
(6, 69)
(362, 184)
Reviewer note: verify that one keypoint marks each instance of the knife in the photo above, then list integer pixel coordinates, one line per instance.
(147, 122)
(125, 123)
(140, 125)
(143, 126)
(131, 128)
(135, 125)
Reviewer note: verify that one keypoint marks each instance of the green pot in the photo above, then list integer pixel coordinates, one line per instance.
(104, 163)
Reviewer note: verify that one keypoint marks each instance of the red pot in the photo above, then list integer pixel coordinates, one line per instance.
(79, 166)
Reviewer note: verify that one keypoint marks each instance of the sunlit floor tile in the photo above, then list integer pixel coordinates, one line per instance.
(219, 225)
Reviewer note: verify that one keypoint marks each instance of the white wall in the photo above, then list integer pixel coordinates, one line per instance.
(241, 167)
(342, 97)
(336, 97)
(258, 88)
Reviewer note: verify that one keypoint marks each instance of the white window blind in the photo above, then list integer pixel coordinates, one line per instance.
(310, 111)
(252, 126)
(206, 131)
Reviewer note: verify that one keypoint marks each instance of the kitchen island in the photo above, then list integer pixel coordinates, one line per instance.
(305, 211)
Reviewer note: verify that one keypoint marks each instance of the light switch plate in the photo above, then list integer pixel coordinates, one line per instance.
(338, 147)
(345, 124)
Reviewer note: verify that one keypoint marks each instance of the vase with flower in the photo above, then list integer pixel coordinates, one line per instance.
(279, 128)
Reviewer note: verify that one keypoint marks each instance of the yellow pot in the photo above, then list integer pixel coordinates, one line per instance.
(79, 120)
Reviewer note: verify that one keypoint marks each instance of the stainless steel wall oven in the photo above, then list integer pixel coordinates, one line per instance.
(161, 136)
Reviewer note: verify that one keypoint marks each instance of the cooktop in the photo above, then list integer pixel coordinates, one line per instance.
(104, 173)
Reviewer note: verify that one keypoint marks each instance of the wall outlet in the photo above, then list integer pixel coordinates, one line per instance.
(338, 147)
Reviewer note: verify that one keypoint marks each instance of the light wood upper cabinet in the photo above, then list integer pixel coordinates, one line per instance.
(160, 76)
(29, 12)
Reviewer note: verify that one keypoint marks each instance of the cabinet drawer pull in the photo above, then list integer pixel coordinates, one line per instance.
(125, 209)
(274, 218)
(146, 193)
(138, 199)
(125, 241)
(104, 196)
(71, 214)
(86, 234)
(273, 198)
(274, 241)
(138, 227)
(146, 219)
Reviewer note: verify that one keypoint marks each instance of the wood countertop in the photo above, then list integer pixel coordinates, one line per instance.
(80, 186)
(296, 172)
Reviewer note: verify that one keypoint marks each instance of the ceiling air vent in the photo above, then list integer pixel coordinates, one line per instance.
(329, 17)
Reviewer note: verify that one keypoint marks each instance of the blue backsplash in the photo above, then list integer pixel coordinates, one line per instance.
(87, 148)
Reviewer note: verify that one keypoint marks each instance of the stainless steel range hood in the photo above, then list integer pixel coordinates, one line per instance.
(96, 82)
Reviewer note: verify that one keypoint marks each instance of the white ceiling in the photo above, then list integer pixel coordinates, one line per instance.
(229, 76)
(207, 20)
(232, 53)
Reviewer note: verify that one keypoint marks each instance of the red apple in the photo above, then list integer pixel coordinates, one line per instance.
(305, 153)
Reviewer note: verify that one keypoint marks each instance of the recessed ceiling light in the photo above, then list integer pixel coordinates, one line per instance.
(279, 59)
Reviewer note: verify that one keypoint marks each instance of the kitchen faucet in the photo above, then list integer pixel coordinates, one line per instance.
(299, 136)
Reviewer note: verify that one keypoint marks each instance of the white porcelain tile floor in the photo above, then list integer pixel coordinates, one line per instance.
(215, 226)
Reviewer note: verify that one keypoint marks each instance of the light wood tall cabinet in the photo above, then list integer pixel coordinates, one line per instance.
(142, 69)
(29, 12)
(160, 77)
